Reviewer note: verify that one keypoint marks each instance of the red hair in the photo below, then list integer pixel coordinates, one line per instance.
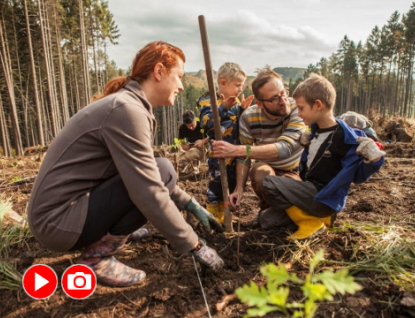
(112, 86)
(143, 65)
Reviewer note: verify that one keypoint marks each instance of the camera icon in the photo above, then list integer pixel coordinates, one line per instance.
(79, 281)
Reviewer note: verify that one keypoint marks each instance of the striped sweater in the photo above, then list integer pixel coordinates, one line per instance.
(256, 129)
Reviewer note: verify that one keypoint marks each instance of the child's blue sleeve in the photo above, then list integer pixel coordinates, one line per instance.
(366, 170)
(206, 115)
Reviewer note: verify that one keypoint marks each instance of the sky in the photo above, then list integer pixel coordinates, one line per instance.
(290, 33)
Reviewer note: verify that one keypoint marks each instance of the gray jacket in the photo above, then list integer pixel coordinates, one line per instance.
(113, 135)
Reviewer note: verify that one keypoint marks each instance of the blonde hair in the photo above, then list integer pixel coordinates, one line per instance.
(264, 75)
(230, 71)
(316, 87)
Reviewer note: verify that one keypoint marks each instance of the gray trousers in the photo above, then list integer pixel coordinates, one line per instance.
(281, 193)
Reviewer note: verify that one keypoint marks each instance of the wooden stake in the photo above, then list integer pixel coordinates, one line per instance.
(216, 121)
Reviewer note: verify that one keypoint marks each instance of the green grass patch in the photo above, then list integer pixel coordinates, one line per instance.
(388, 251)
(11, 237)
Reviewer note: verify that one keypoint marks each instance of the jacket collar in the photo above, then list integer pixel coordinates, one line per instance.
(136, 89)
(349, 135)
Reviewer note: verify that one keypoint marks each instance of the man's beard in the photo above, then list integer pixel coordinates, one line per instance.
(279, 113)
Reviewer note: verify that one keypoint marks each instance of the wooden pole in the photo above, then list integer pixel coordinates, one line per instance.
(216, 121)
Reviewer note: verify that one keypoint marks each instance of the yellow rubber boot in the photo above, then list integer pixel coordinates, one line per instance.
(221, 212)
(328, 221)
(215, 209)
(308, 225)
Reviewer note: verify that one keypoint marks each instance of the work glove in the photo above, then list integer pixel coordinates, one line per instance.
(305, 138)
(207, 256)
(207, 219)
(369, 150)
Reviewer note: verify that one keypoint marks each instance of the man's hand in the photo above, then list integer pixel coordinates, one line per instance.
(199, 143)
(229, 102)
(245, 103)
(305, 138)
(223, 149)
(206, 218)
(236, 197)
(369, 150)
(207, 255)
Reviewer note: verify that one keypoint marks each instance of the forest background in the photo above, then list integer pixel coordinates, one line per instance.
(54, 58)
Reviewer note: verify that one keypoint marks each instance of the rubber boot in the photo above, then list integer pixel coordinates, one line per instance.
(221, 212)
(329, 220)
(215, 210)
(308, 225)
(108, 270)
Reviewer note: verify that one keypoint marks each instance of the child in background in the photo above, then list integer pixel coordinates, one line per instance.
(231, 80)
(335, 155)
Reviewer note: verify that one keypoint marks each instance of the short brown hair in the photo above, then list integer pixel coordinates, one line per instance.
(316, 87)
(264, 75)
(188, 117)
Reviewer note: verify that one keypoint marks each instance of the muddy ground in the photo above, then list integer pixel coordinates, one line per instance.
(172, 288)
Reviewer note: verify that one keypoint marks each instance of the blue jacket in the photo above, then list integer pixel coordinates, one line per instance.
(229, 122)
(334, 194)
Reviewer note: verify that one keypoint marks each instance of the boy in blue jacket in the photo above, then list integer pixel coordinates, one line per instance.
(334, 156)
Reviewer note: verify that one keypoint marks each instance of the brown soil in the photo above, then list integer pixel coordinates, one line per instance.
(172, 288)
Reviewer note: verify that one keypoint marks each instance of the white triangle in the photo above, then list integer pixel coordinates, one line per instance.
(40, 281)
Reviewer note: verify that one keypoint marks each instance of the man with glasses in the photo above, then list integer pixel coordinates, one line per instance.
(269, 132)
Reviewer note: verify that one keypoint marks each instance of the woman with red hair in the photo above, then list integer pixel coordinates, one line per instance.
(99, 181)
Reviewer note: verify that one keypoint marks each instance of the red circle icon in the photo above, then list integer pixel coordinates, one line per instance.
(40, 281)
(79, 281)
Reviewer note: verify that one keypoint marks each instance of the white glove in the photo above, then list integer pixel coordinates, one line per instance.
(305, 138)
(369, 150)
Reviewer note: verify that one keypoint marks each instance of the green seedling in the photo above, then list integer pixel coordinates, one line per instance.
(316, 287)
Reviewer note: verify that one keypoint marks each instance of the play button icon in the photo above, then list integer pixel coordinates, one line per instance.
(40, 281)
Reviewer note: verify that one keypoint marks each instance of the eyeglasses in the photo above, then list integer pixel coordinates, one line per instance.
(276, 99)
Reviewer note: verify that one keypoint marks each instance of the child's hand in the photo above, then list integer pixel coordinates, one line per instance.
(245, 103)
(229, 102)
(236, 197)
(369, 150)
(305, 138)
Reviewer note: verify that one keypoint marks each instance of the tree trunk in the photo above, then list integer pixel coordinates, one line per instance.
(7, 71)
(4, 132)
(349, 95)
(84, 55)
(164, 139)
(49, 43)
(41, 137)
(52, 105)
(62, 80)
(408, 82)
